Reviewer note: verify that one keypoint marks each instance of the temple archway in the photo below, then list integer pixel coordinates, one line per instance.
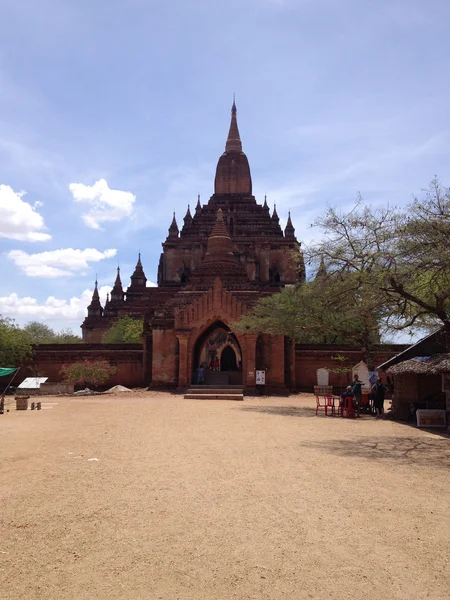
(228, 361)
(217, 350)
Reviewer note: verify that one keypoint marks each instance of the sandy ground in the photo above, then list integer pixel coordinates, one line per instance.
(219, 500)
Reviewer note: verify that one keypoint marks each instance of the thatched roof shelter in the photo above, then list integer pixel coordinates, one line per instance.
(422, 365)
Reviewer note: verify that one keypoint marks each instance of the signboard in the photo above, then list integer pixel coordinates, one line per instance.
(323, 376)
(260, 378)
(430, 418)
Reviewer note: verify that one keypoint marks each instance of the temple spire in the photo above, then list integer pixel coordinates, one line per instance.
(188, 216)
(289, 231)
(173, 229)
(219, 242)
(138, 279)
(95, 308)
(117, 291)
(234, 143)
(198, 208)
(275, 214)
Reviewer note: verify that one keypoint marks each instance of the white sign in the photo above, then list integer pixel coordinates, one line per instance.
(430, 418)
(323, 376)
(260, 378)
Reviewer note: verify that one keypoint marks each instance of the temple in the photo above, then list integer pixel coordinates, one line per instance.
(228, 253)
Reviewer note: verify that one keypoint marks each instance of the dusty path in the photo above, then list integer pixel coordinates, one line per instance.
(196, 500)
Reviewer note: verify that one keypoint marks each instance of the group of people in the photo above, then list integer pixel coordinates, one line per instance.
(354, 391)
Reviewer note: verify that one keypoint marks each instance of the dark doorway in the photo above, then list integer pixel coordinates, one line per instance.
(228, 359)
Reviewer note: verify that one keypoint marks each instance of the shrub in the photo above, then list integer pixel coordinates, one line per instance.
(95, 372)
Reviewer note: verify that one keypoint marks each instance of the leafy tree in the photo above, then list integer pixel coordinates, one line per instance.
(124, 330)
(400, 259)
(15, 344)
(40, 333)
(377, 270)
(88, 372)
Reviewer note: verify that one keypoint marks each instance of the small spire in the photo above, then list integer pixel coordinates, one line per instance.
(188, 216)
(95, 308)
(234, 143)
(265, 205)
(275, 214)
(173, 229)
(289, 230)
(138, 279)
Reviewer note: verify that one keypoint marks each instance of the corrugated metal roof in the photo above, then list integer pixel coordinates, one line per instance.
(32, 383)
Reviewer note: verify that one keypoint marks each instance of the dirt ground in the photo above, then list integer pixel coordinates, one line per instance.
(219, 500)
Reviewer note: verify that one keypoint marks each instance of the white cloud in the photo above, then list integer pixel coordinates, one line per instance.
(18, 219)
(58, 263)
(106, 204)
(53, 308)
(151, 284)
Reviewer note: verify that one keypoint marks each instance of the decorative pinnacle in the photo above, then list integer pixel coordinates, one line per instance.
(234, 143)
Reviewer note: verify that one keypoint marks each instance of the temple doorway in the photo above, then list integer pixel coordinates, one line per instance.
(228, 360)
(218, 351)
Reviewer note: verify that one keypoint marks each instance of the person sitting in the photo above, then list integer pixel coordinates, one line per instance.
(347, 397)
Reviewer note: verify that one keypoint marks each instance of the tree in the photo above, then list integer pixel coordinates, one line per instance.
(124, 330)
(40, 333)
(88, 372)
(376, 270)
(15, 345)
(398, 258)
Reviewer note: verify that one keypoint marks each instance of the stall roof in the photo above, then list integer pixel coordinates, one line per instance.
(32, 383)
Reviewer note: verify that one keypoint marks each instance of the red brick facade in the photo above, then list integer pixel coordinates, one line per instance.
(228, 254)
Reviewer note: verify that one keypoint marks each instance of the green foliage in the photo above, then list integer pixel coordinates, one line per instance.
(399, 258)
(88, 372)
(376, 271)
(124, 330)
(39, 333)
(15, 344)
(313, 313)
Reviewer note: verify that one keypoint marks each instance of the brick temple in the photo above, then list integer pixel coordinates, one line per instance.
(229, 253)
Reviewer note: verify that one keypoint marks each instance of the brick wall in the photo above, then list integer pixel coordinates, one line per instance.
(49, 358)
(310, 357)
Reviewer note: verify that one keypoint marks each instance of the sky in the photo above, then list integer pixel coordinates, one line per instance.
(113, 114)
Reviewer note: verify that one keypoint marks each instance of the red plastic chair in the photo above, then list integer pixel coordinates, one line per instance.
(349, 408)
(319, 405)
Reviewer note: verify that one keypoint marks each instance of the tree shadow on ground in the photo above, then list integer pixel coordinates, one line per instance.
(407, 450)
(284, 411)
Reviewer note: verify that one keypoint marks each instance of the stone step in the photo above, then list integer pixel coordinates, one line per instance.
(215, 390)
(216, 396)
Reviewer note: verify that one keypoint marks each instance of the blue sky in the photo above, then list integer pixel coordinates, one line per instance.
(113, 114)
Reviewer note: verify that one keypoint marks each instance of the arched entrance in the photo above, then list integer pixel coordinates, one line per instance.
(228, 360)
(218, 351)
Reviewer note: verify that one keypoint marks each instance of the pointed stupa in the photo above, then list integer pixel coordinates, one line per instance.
(138, 279)
(219, 242)
(117, 291)
(233, 171)
(173, 229)
(95, 308)
(289, 231)
(219, 260)
(275, 216)
(198, 208)
(188, 217)
(265, 205)
(233, 143)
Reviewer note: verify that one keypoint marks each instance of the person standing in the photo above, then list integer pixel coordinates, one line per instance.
(201, 374)
(379, 392)
(357, 391)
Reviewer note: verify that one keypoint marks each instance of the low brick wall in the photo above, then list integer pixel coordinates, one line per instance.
(53, 389)
(48, 360)
(310, 357)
